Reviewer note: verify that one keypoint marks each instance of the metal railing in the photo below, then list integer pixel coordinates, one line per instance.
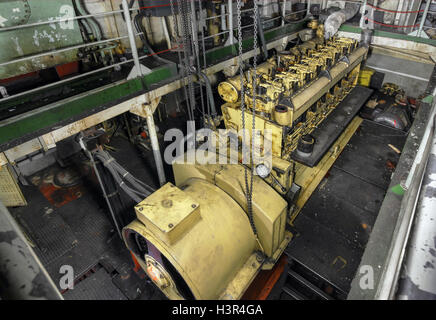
(131, 35)
(126, 12)
(230, 12)
(101, 44)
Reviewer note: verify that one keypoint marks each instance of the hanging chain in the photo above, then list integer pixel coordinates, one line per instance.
(183, 9)
(181, 61)
(248, 185)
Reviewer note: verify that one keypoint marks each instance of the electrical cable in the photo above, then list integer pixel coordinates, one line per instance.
(140, 28)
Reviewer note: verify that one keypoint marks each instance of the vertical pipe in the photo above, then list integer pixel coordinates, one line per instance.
(132, 41)
(283, 12)
(167, 35)
(308, 8)
(362, 19)
(223, 17)
(155, 144)
(424, 17)
(397, 19)
(230, 17)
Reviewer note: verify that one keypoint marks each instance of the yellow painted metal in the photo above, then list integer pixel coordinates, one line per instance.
(316, 99)
(10, 192)
(214, 250)
(169, 218)
(269, 208)
(365, 77)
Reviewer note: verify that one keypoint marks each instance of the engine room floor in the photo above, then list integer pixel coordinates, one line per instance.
(333, 228)
(70, 226)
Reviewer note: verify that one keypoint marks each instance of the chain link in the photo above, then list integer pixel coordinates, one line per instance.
(187, 46)
(181, 61)
(248, 184)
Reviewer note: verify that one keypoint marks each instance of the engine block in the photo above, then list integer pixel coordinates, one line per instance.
(295, 90)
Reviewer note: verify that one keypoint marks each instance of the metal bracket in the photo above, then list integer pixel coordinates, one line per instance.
(134, 72)
(326, 73)
(345, 59)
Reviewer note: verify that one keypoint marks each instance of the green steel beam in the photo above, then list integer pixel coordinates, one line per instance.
(21, 127)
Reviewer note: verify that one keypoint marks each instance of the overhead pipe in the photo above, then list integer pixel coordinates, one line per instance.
(336, 19)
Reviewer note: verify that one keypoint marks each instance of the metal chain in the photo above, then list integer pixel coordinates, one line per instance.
(181, 62)
(196, 50)
(248, 186)
(254, 88)
(182, 6)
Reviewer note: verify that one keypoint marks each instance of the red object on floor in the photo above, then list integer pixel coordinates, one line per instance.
(67, 69)
(60, 196)
(265, 281)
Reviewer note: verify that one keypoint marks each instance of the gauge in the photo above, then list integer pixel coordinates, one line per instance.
(262, 171)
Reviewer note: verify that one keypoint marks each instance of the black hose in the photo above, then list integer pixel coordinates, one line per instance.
(261, 36)
(143, 35)
(209, 93)
(283, 16)
(135, 189)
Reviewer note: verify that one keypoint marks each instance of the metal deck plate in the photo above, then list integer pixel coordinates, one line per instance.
(335, 224)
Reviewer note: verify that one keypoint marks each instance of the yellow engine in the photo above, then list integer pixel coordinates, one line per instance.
(198, 238)
(296, 91)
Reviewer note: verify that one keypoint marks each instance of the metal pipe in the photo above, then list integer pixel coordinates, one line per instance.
(155, 144)
(167, 34)
(131, 34)
(93, 24)
(66, 80)
(283, 12)
(230, 17)
(215, 17)
(36, 24)
(22, 276)
(362, 19)
(336, 19)
(91, 44)
(424, 17)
